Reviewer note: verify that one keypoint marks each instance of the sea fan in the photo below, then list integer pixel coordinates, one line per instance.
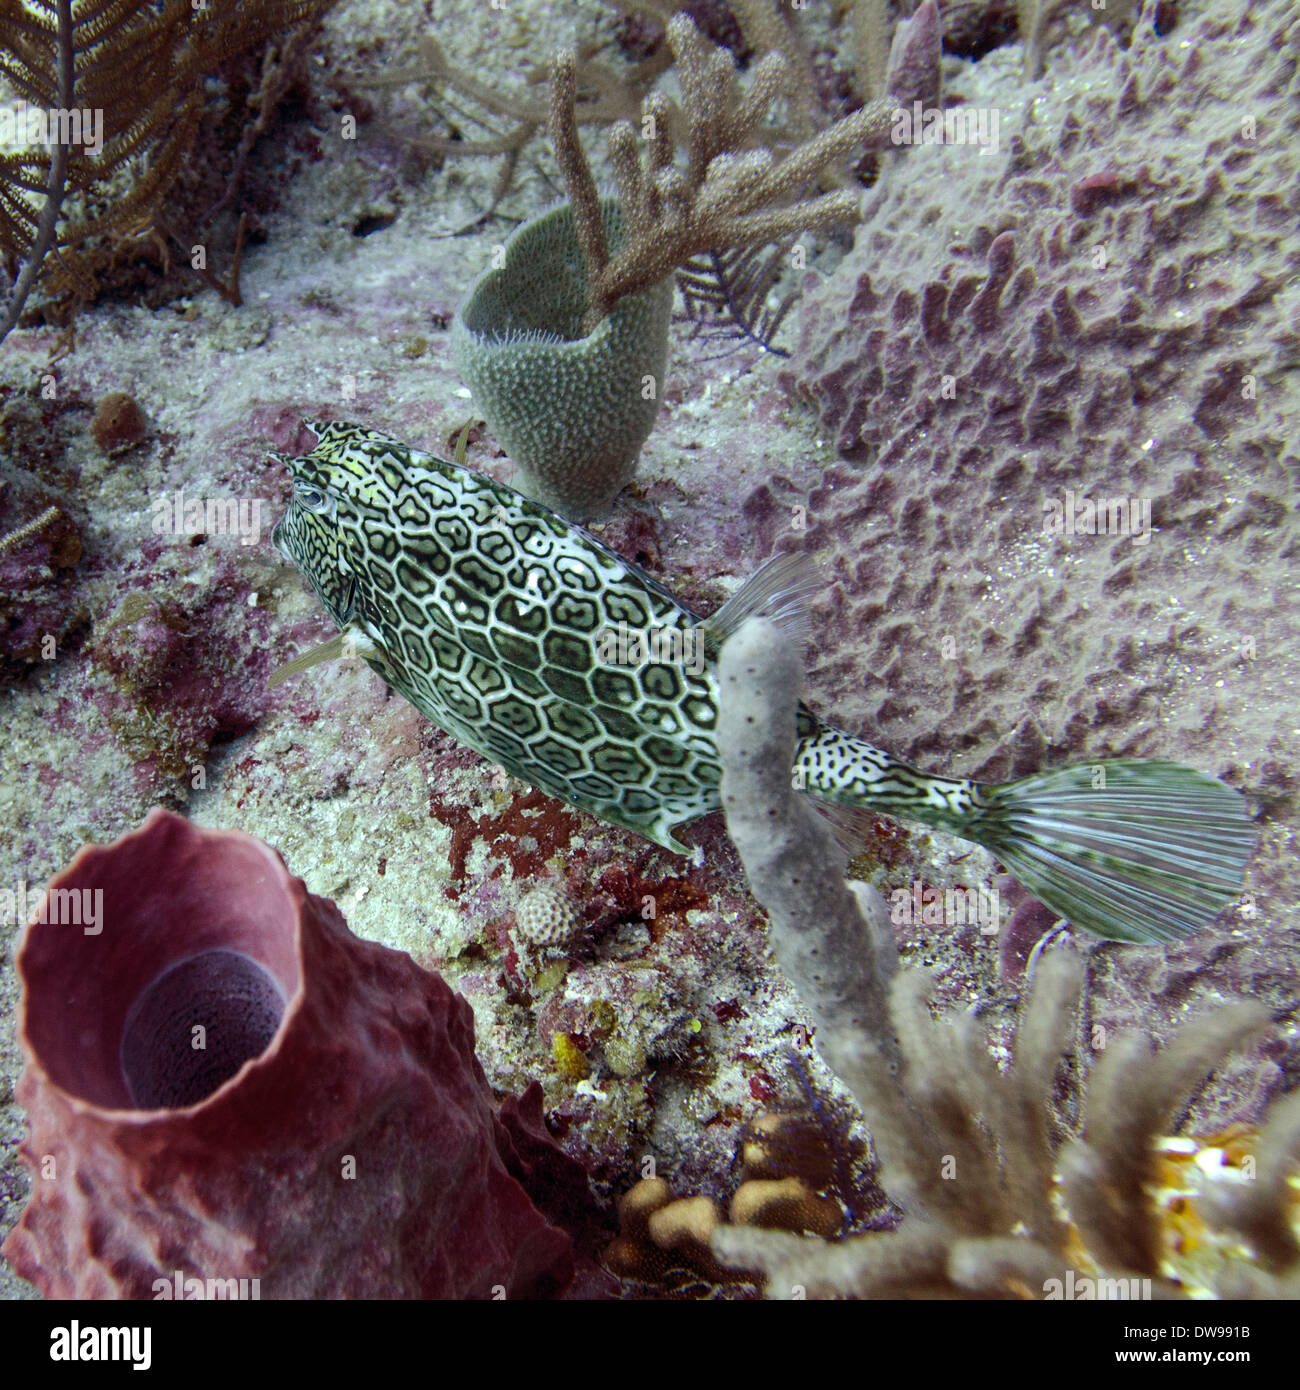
(140, 67)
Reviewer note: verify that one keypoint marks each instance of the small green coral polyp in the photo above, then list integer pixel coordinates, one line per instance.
(572, 411)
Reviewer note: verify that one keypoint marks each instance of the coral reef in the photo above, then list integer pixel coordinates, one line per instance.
(137, 81)
(573, 400)
(729, 196)
(668, 1028)
(221, 1079)
(665, 1239)
(973, 1155)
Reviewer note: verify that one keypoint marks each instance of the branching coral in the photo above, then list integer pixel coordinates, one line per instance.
(510, 121)
(20, 535)
(730, 195)
(605, 93)
(974, 1154)
(565, 344)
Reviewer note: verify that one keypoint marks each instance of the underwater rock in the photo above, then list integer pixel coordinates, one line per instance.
(222, 1080)
(571, 410)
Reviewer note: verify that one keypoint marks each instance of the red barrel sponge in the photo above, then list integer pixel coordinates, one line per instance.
(223, 1082)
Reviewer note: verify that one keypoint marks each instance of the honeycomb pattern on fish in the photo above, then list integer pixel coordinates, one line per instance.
(485, 611)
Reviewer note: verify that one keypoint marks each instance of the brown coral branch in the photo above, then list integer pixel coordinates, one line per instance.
(143, 71)
(1133, 1095)
(229, 290)
(1032, 17)
(618, 95)
(282, 63)
(13, 539)
(870, 46)
(583, 198)
(767, 29)
(730, 196)
(1260, 1210)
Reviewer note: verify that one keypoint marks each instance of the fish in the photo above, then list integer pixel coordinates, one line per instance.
(492, 615)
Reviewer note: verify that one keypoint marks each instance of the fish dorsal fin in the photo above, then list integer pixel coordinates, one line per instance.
(780, 589)
(330, 432)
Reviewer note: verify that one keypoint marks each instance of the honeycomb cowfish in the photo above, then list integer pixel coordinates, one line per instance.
(493, 616)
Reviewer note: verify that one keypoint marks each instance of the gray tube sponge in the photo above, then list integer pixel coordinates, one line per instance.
(834, 945)
(572, 411)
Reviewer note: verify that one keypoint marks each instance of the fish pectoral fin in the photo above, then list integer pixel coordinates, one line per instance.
(853, 828)
(327, 651)
(350, 643)
(780, 589)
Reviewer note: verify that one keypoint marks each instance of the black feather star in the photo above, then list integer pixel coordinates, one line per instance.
(730, 296)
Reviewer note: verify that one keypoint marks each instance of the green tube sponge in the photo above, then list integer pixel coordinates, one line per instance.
(572, 411)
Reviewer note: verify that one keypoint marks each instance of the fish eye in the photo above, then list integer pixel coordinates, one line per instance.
(314, 499)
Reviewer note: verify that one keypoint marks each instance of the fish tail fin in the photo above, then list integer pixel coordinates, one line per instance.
(1129, 849)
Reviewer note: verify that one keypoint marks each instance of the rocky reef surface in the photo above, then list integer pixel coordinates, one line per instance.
(955, 631)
